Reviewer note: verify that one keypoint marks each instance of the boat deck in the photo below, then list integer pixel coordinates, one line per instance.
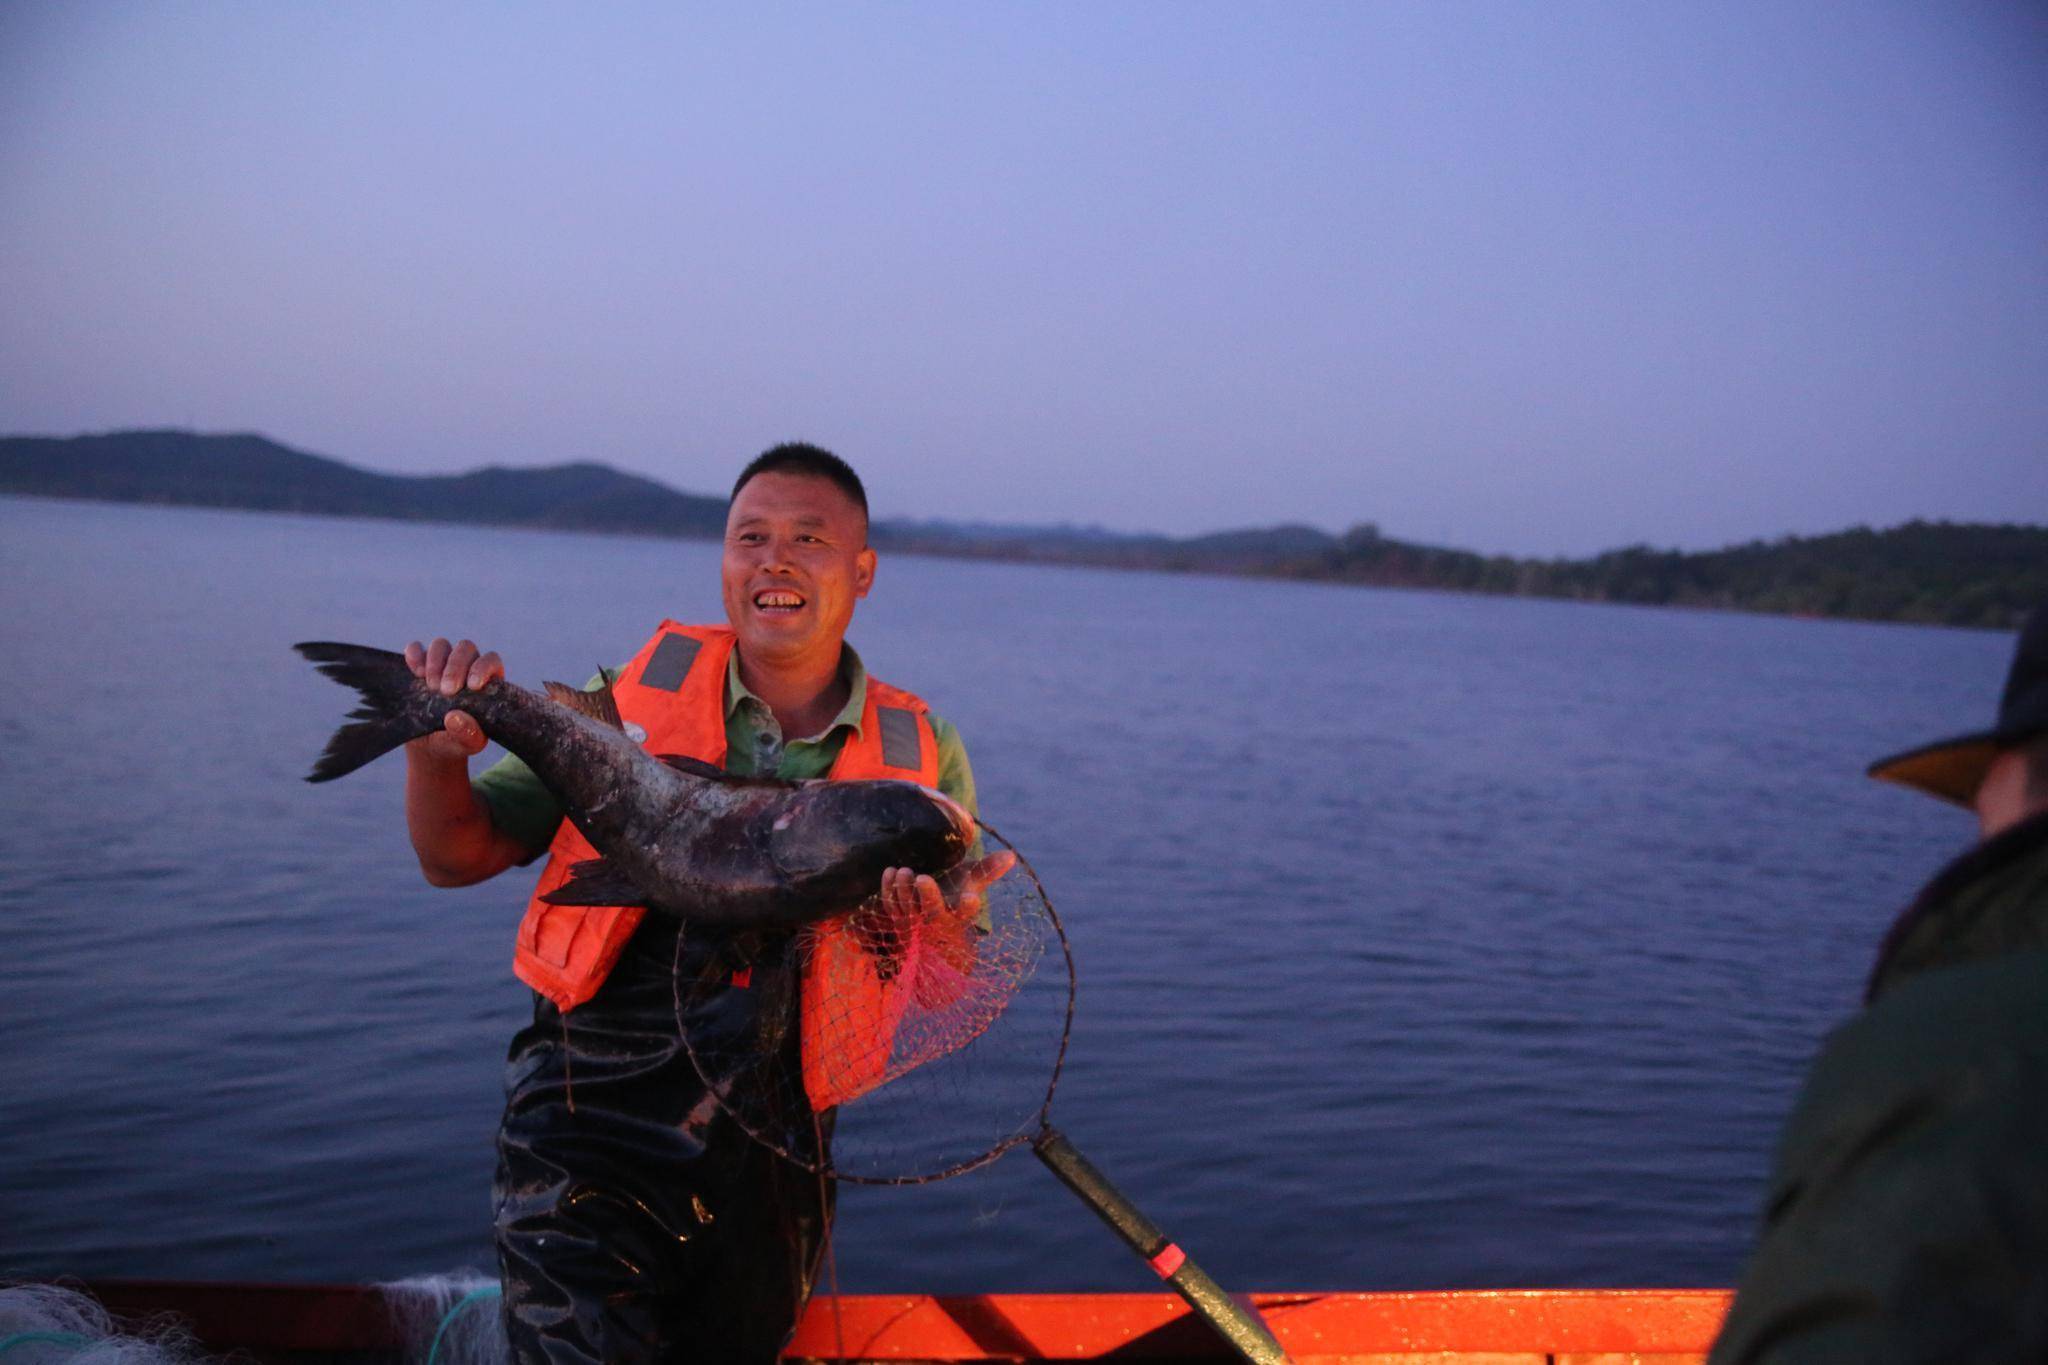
(333, 1324)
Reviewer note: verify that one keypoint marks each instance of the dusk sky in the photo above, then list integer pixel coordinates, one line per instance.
(1530, 277)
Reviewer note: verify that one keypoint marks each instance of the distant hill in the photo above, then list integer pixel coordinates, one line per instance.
(255, 472)
(1933, 572)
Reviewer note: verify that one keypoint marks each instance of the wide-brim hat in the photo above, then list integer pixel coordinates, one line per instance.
(1953, 769)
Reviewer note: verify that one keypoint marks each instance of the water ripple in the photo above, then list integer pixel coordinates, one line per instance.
(1499, 971)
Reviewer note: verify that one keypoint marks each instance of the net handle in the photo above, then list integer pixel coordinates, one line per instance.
(1235, 1323)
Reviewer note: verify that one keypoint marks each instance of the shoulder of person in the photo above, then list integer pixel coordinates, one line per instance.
(1916, 1045)
(1911, 1186)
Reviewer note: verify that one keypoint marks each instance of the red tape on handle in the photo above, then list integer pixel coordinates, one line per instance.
(1169, 1259)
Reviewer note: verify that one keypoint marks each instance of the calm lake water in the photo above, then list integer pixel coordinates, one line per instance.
(1424, 940)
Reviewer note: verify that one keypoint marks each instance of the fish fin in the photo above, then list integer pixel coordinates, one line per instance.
(389, 716)
(696, 767)
(596, 881)
(600, 705)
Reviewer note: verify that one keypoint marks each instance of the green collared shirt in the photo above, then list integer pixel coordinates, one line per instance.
(754, 745)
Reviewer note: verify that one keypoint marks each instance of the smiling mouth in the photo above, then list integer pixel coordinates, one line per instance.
(778, 602)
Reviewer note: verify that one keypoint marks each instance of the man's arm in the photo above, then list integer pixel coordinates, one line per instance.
(956, 774)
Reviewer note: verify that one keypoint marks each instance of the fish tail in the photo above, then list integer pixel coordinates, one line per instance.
(395, 708)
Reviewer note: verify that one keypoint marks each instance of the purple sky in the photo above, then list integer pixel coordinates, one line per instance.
(1540, 278)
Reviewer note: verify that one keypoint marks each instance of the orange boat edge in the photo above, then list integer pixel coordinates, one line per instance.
(306, 1323)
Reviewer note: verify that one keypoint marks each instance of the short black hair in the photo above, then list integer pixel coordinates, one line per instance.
(800, 457)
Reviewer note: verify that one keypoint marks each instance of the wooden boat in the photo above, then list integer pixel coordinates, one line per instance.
(356, 1325)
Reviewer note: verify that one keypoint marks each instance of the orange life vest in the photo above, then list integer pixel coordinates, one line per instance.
(674, 689)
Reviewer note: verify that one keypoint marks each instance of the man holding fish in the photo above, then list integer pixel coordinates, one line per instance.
(635, 1219)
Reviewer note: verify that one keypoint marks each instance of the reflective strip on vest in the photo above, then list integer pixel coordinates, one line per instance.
(900, 748)
(671, 662)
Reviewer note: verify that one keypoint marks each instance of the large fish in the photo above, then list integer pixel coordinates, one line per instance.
(675, 834)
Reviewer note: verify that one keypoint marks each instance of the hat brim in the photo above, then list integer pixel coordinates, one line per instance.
(1952, 769)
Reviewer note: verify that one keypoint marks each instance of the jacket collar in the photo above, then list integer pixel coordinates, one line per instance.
(1971, 875)
(850, 668)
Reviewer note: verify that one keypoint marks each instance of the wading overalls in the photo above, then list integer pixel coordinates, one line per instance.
(644, 1224)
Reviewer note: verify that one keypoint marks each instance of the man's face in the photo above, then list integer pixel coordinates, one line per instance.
(796, 560)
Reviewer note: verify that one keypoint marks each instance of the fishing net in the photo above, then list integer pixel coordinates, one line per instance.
(894, 1048)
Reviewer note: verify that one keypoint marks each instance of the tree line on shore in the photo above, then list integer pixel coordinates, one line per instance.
(1934, 572)
(1942, 573)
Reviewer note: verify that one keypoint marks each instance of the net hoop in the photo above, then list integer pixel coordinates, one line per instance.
(1027, 1131)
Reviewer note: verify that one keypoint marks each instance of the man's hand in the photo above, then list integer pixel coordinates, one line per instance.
(910, 898)
(941, 913)
(451, 829)
(451, 669)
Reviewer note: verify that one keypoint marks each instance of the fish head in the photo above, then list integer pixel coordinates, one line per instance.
(835, 839)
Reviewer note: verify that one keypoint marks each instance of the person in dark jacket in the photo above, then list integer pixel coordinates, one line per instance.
(1907, 1214)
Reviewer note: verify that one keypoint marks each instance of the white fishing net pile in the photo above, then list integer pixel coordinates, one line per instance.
(42, 1324)
(443, 1319)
